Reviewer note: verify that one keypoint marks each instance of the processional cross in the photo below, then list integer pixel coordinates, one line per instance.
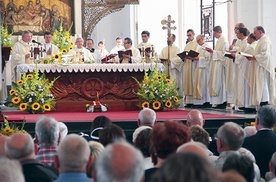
(167, 25)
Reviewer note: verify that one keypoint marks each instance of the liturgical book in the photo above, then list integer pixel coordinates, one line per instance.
(108, 57)
(190, 53)
(245, 54)
(120, 53)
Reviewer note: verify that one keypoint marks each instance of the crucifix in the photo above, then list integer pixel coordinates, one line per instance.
(167, 25)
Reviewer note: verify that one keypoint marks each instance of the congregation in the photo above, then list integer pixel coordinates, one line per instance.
(159, 151)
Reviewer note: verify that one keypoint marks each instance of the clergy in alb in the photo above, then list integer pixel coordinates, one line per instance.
(48, 47)
(218, 70)
(173, 64)
(81, 52)
(20, 54)
(146, 45)
(201, 76)
(188, 69)
(262, 71)
(135, 58)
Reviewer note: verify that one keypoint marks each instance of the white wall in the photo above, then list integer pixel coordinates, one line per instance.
(112, 26)
(258, 12)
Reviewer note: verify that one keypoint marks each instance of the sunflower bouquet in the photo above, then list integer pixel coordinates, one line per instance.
(156, 91)
(7, 128)
(32, 93)
(62, 39)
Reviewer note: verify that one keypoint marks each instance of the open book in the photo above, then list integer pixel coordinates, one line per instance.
(228, 54)
(120, 53)
(245, 54)
(190, 53)
(108, 57)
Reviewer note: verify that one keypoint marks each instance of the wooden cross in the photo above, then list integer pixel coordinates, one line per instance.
(167, 25)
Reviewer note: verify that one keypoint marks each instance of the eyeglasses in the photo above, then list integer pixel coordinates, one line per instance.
(189, 35)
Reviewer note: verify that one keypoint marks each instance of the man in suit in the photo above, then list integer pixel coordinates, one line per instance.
(263, 143)
(21, 147)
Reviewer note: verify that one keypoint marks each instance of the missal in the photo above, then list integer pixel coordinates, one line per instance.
(190, 53)
(245, 54)
(108, 57)
(120, 53)
(228, 54)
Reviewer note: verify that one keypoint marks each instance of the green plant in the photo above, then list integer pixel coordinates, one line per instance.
(6, 37)
(157, 92)
(62, 39)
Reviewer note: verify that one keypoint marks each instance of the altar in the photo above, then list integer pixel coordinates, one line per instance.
(79, 84)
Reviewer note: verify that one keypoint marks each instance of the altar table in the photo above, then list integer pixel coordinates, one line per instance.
(79, 84)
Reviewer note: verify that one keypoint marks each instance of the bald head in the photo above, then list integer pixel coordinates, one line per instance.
(73, 153)
(195, 117)
(111, 166)
(194, 147)
(3, 140)
(20, 146)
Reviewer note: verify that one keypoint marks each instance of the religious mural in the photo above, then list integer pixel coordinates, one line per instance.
(37, 16)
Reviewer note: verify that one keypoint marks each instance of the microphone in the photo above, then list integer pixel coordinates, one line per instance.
(33, 41)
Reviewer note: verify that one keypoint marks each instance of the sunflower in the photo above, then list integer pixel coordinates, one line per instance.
(46, 107)
(30, 76)
(168, 104)
(156, 105)
(168, 80)
(159, 77)
(16, 100)
(20, 82)
(175, 99)
(35, 106)
(64, 51)
(56, 56)
(71, 43)
(145, 105)
(23, 106)
(12, 91)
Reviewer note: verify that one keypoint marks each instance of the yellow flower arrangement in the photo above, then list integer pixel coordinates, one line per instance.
(62, 39)
(157, 92)
(32, 93)
(8, 129)
(6, 37)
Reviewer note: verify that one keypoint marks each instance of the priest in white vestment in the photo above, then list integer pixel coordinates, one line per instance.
(239, 80)
(135, 57)
(21, 52)
(147, 49)
(81, 52)
(262, 71)
(48, 46)
(245, 69)
(173, 64)
(218, 70)
(188, 70)
(201, 76)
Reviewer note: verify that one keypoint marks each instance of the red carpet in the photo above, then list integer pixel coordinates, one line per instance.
(114, 116)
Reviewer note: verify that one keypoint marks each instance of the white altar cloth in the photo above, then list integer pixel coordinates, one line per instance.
(24, 68)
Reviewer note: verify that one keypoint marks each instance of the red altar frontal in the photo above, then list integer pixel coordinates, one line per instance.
(79, 84)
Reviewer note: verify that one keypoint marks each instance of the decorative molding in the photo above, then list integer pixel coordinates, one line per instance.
(95, 10)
